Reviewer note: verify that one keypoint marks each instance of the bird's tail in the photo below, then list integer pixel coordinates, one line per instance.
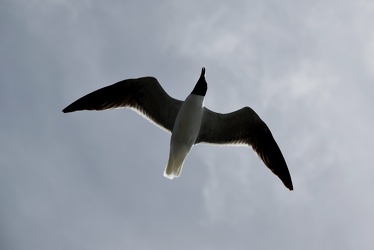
(174, 168)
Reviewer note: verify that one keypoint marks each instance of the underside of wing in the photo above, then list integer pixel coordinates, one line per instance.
(145, 95)
(244, 126)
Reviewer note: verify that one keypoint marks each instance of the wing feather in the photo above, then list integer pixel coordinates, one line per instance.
(144, 94)
(244, 126)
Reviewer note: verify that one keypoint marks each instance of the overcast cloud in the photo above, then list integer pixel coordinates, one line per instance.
(93, 180)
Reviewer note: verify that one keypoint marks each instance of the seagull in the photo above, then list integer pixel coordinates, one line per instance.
(189, 121)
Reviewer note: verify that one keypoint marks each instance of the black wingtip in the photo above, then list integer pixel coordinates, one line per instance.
(202, 72)
(289, 186)
(68, 109)
(287, 181)
(75, 106)
(286, 178)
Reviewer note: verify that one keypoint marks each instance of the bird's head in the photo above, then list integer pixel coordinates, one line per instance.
(201, 86)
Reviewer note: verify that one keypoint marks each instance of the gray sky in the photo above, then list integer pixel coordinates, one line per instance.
(93, 180)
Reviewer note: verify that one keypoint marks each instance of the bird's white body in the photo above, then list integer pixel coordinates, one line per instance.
(186, 129)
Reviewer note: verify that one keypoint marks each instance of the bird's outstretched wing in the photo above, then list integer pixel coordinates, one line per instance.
(145, 95)
(244, 126)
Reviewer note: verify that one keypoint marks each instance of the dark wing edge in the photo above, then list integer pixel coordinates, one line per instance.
(223, 129)
(145, 95)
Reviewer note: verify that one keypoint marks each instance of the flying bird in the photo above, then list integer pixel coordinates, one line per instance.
(189, 122)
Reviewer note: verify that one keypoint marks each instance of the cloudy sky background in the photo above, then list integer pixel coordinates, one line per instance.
(93, 180)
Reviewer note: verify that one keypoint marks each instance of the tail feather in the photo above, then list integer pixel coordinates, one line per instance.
(174, 168)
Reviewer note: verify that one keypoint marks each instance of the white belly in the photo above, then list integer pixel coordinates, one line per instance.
(188, 121)
(185, 131)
